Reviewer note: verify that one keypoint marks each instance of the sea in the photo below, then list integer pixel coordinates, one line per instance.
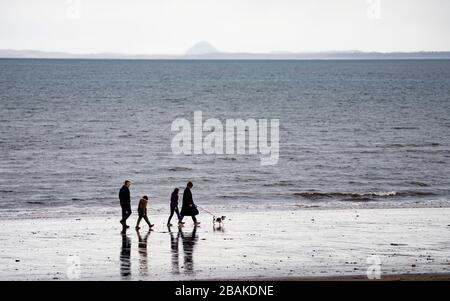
(352, 134)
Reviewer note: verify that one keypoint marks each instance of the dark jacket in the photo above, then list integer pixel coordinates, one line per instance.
(187, 209)
(174, 200)
(124, 195)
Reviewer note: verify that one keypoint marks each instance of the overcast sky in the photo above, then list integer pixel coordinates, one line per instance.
(172, 26)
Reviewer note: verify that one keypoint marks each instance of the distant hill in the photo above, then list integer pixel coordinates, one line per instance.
(202, 48)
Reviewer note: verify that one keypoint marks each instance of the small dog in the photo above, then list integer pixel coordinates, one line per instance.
(218, 219)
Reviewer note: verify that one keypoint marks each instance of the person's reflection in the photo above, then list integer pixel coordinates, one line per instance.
(125, 250)
(188, 250)
(142, 248)
(174, 250)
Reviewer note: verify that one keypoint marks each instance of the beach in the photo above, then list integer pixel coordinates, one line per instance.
(405, 243)
(313, 137)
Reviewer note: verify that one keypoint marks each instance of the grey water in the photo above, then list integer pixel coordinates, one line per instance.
(352, 133)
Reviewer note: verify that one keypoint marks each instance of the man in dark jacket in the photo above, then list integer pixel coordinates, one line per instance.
(188, 208)
(125, 203)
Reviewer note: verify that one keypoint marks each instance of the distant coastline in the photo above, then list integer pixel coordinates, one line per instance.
(338, 55)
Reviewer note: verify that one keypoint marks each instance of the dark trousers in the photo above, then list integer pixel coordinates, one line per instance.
(126, 211)
(172, 211)
(142, 217)
(193, 218)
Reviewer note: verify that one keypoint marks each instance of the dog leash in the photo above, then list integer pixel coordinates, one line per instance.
(205, 210)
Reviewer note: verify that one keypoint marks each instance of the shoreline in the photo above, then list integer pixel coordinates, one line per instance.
(69, 211)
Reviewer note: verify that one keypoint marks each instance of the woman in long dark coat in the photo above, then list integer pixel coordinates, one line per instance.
(188, 208)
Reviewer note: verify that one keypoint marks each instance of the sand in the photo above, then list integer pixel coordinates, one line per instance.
(409, 244)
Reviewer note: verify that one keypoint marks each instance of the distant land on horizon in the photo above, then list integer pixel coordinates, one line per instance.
(205, 51)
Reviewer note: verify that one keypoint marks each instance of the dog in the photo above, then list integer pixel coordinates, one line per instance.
(219, 219)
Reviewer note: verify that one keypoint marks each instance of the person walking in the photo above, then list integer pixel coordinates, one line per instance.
(125, 203)
(188, 208)
(173, 206)
(142, 211)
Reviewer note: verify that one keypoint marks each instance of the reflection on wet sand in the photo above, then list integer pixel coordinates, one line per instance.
(189, 242)
(174, 250)
(142, 248)
(125, 250)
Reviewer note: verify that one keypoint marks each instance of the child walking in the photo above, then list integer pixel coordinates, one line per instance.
(142, 211)
(173, 206)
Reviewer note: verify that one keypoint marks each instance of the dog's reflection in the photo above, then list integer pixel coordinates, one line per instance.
(188, 242)
(218, 223)
(218, 228)
(142, 248)
(125, 250)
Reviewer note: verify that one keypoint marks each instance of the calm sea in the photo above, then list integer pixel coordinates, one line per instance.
(352, 133)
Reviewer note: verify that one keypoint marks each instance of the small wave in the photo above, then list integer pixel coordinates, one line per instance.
(362, 196)
(173, 99)
(303, 206)
(279, 184)
(35, 203)
(416, 193)
(400, 145)
(319, 195)
(179, 168)
(362, 199)
(404, 128)
(228, 158)
(417, 183)
(229, 197)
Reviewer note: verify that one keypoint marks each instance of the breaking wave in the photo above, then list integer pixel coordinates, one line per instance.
(361, 195)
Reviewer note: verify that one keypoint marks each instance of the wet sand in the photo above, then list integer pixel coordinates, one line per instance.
(410, 244)
(398, 277)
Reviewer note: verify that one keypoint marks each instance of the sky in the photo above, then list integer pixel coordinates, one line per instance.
(258, 26)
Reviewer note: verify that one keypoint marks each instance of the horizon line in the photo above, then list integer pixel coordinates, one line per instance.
(274, 55)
